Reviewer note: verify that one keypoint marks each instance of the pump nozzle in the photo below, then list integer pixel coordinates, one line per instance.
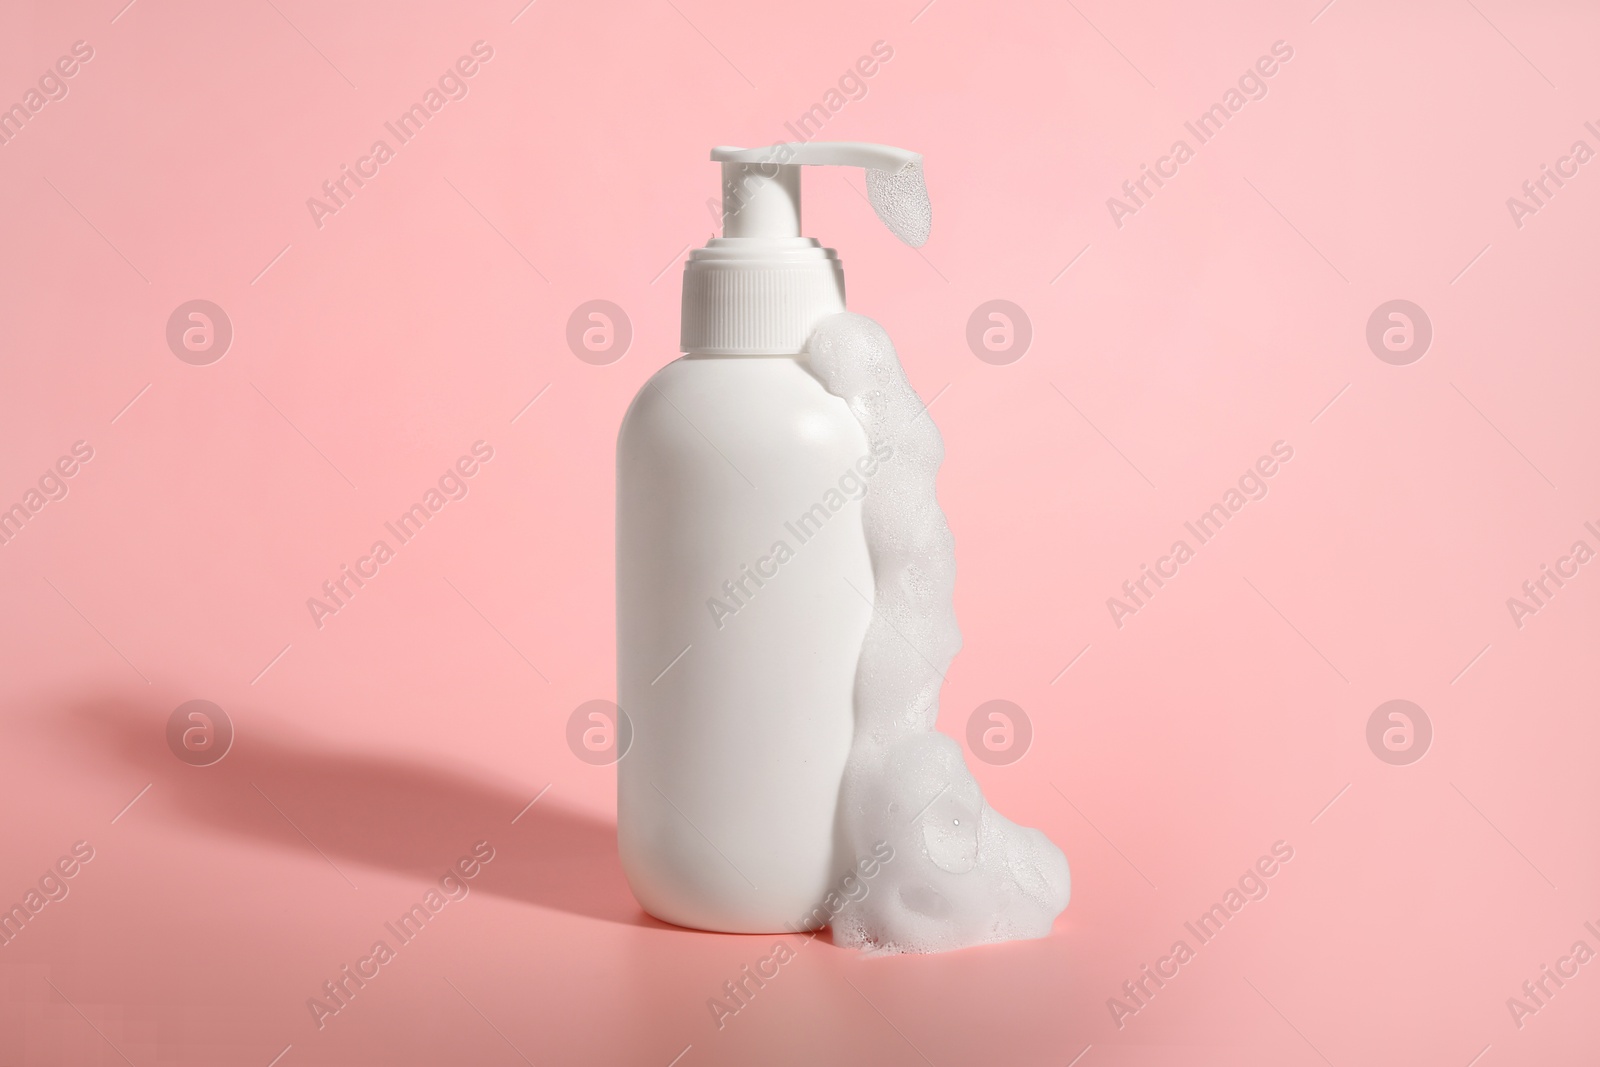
(761, 186)
(761, 288)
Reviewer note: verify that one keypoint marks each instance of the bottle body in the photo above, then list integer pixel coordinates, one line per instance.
(744, 590)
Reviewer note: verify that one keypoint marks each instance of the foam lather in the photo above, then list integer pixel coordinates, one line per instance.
(962, 873)
(900, 197)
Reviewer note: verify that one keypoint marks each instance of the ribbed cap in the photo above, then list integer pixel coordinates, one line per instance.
(758, 296)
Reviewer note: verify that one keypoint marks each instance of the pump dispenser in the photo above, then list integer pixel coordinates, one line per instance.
(761, 287)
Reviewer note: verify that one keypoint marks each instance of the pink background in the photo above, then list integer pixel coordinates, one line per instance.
(1227, 314)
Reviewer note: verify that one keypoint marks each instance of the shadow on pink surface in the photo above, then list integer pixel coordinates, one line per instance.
(368, 810)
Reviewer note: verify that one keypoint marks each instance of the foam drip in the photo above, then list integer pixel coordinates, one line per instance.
(901, 200)
(962, 873)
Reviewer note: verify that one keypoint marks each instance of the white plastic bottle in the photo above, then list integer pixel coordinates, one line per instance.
(744, 586)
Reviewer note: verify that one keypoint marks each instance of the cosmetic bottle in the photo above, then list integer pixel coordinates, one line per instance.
(744, 585)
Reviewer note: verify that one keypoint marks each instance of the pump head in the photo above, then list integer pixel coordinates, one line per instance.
(761, 287)
(761, 187)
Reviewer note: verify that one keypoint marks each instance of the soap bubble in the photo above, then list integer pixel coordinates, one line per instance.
(950, 836)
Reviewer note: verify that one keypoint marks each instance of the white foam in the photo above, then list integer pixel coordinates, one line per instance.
(900, 198)
(962, 873)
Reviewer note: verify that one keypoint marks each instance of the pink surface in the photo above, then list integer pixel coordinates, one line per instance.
(368, 353)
